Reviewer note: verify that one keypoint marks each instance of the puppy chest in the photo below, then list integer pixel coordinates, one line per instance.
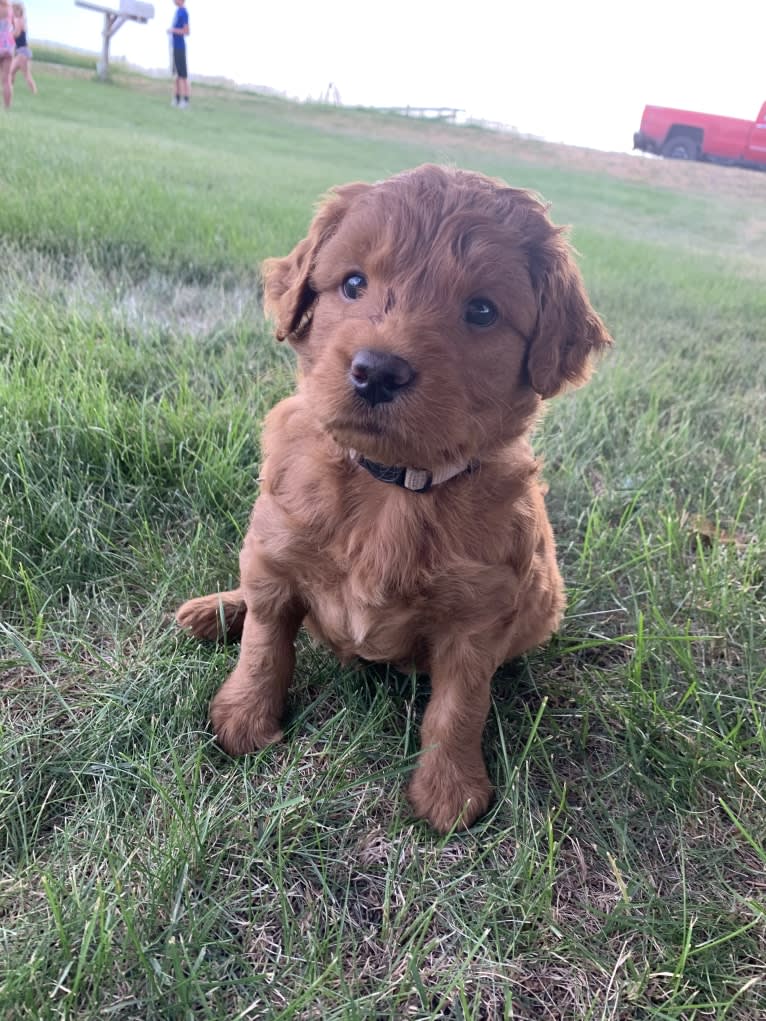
(358, 620)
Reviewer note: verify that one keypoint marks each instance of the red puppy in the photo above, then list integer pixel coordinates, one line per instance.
(401, 517)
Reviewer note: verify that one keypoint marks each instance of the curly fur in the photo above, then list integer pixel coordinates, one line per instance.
(453, 581)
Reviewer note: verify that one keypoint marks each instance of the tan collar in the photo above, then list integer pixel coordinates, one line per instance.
(417, 480)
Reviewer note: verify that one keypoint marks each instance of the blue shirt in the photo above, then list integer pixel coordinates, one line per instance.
(181, 20)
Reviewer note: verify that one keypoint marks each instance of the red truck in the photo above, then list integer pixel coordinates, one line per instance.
(684, 135)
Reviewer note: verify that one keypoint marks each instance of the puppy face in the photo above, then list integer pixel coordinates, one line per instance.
(431, 313)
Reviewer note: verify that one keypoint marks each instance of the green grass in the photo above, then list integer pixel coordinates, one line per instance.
(143, 874)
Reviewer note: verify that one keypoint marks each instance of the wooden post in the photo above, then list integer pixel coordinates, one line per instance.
(111, 23)
(130, 10)
(103, 67)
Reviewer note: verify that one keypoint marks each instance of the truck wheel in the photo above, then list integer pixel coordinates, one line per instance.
(680, 147)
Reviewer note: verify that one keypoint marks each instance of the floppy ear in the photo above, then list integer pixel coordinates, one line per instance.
(568, 333)
(288, 294)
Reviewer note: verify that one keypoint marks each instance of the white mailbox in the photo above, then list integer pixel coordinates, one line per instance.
(137, 9)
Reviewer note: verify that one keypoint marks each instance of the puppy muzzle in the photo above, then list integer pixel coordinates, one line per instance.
(378, 376)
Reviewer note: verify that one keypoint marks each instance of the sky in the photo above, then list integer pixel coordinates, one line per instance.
(578, 72)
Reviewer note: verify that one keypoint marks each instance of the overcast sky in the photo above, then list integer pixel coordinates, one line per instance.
(577, 72)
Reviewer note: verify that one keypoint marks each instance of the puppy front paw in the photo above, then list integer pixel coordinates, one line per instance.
(447, 796)
(240, 728)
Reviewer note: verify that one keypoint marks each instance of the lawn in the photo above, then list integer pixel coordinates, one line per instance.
(621, 873)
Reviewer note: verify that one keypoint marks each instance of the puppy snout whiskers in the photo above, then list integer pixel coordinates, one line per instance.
(378, 377)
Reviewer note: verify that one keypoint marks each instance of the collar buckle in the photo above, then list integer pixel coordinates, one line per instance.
(418, 480)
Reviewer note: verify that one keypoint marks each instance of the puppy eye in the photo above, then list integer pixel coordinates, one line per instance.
(353, 286)
(480, 312)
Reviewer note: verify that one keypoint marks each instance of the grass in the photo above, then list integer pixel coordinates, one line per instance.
(621, 872)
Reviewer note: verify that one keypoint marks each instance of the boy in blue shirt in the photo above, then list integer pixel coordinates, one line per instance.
(178, 33)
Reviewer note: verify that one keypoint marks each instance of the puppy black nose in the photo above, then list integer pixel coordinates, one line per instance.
(378, 376)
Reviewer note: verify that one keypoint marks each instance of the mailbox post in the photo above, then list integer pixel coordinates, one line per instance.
(129, 10)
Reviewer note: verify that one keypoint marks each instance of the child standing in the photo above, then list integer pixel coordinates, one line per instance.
(178, 33)
(23, 52)
(7, 50)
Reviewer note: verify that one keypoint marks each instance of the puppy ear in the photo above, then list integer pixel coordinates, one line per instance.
(568, 333)
(288, 294)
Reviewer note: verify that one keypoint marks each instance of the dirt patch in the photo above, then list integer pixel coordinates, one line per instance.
(678, 175)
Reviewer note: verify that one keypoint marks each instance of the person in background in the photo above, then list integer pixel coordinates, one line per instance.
(178, 33)
(7, 50)
(23, 53)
